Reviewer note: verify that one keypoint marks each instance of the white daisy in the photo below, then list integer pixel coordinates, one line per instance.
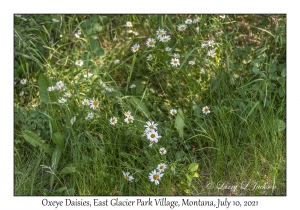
(202, 71)
(51, 88)
(165, 38)
(135, 48)
(89, 116)
(94, 103)
(222, 16)
(68, 94)
(100, 63)
(62, 100)
(116, 61)
(211, 43)
(77, 35)
(188, 21)
(206, 110)
(135, 33)
(162, 151)
(149, 57)
(55, 20)
(203, 45)
(23, 81)
(129, 119)
(160, 32)
(161, 167)
(113, 120)
(150, 42)
(151, 125)
(132, 86)
(173, 111)
(211, 53)
(21, 93)
(176, 55)
(153, 136)
(196, 20)
(148, 130)
(129, 31)
(175, 62)
(59, 85)
(155, 176)
(73, 120)
(127, 114)
(78, 62)
(168, 49)
(128, 24)
(192, 62)
(127, 177)
(85, 102)
(181, 27)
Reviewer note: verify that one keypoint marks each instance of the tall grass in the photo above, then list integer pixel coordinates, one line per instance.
(241, 140)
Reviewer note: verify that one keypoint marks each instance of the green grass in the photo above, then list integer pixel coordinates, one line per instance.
(242, 140)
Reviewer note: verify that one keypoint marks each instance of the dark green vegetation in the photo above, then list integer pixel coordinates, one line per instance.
(241, 141)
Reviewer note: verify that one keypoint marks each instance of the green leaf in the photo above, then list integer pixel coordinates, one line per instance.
(189, 177)
(255, 70)
(55, 160)
(140, 106)
(179, 122)
(280, 125)
(272, 67)
(35, 140)
(281, 80)
(196, 175)
(183, 185)
(58, 139)
(100, 51)
(70, 192)
(45, 95)
(68, 170)
(193, 167)
(94, 44)
(97, 27)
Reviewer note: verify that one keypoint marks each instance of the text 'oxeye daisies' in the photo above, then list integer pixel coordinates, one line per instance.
(155, 176)
(127, 177)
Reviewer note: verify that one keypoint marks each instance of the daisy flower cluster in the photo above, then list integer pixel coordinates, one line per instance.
(93, 103)
(209, 44)
(128, 117)
(151, 132)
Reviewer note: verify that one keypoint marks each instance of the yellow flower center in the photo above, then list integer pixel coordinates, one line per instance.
(161, 167)
(151, 43)
(113, 120)
(155, 176)
(127, 177)
(95, 103)
(206, 109)
(151, 126)
(129, 119)
(162, 151)
(78, 62)
(152, 135)
(173, 112)
(175, 61)
(182, 27)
